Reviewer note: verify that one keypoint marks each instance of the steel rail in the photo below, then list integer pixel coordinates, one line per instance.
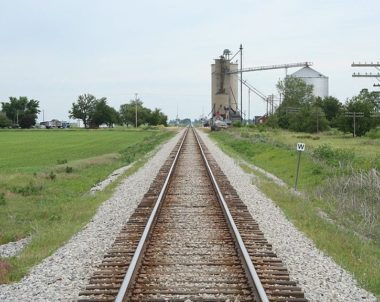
(140, 247)
(252, 274)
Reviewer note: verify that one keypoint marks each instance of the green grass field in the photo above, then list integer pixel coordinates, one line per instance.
(366, 150)
(44, 178)
(338, 184)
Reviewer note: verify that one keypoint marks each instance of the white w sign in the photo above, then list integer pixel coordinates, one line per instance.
(300, 147)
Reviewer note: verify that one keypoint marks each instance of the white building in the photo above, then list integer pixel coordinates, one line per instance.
(312, 77)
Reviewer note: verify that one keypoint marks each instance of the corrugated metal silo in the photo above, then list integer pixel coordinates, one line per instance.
(312, 77)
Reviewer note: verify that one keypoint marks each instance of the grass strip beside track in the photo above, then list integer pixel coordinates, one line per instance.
(44, 178)
(342, 241)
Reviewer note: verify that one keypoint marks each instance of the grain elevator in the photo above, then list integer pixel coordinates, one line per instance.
(224, 88)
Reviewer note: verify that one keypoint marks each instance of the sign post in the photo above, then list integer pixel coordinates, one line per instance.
(300, 149)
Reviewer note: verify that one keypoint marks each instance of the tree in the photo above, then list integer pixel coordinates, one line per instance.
(366, 102)
(157, 118)
(103, 114)
(21, 109)
(295, 91)
(26, 121)
(114, 117)
(4, 121)
(128, 113)
(309, 119)
(331, 107)
(297, 94)
(83, 108)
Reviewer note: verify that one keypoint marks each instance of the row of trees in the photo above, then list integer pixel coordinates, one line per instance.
(19, 112)
(301, 111)
(95, 112)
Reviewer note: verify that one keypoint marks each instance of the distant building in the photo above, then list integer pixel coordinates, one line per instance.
(312, 77)
(260, 119)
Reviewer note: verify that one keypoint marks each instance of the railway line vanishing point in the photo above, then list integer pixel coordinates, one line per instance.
(191, 239)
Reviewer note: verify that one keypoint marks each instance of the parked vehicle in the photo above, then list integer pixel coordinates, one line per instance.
(55, 124)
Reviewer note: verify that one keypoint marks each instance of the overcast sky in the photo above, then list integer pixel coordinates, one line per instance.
(54, 51)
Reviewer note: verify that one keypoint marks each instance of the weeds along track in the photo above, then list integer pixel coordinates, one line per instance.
(191, 239)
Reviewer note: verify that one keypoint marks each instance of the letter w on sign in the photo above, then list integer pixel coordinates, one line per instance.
(300, 147)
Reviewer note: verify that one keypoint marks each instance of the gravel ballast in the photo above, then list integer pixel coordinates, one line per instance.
(11, 249)
(61, 276)
(318, 275)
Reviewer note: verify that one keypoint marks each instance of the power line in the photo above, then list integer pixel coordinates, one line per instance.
(367, 75)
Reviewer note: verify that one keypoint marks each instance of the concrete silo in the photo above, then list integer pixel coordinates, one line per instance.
(224, 89)
(312, 77)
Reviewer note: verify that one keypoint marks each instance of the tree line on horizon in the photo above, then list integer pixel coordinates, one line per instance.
(22, 112)
(301, 111)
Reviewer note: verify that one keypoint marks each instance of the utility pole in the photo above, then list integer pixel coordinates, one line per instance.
(136, 108)
(177, 119)
(367, 75)
(319, 115)
(272, 100)
(249, 105)
(317, 121)
(241, 83)
(354, 115)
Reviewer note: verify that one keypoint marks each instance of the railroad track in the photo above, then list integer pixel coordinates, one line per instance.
(191, 239)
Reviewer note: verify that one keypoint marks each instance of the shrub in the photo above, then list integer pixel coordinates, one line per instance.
(307, 136)
(259, 138)
(4, 121)
(237, 124)
(5, 268)
(30, 189)
(2, 199)
(244, 134)
(335, 157)
(373, 133)
(317, 170)
(261, 127)
(52, 176)
(69, 169)
(304, 136)
(55, 217)
(334, 132)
